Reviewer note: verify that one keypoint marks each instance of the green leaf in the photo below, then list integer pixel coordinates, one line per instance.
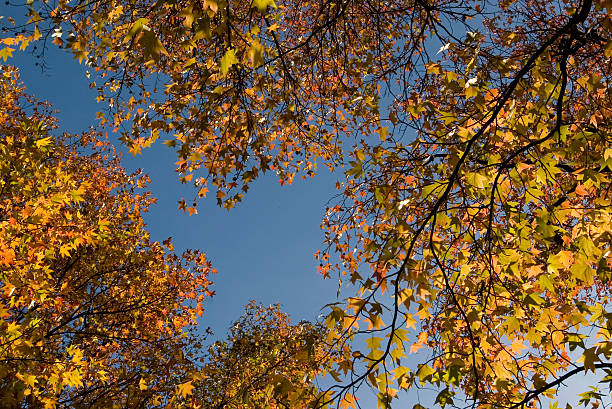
(545, 282)
(445, 397)
(262, 5)
(431, 188)
(228, 60)
(575, 340)
(151, 44)
(477, 180)
(256, 54)
(356, 169)
(137, 27)
(425, 372)
(533, 299)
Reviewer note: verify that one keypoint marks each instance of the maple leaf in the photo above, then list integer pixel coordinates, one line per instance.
(6, 53)
(518, 346)
(229, 59)
(414, 348)
(185, 389)
(348, 401)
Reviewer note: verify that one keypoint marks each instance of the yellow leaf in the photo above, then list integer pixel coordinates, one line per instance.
(185, 389)
(375, 322)
(30, 380)
(73, 379)
(229, 59)
(410, 321)
(255, 53)
(262, 5)
(471, 92)
(13, 329)
(65, 250)
(6, 52)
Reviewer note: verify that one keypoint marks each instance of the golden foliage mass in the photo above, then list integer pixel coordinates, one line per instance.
(90, 309)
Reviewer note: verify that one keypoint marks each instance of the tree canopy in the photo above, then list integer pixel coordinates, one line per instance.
(92, 313)
(472, 140)
(265, 362)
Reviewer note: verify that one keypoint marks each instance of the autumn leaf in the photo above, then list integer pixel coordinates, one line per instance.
(348, 401)
(229, 59)
(262, 5)
(6, 53)
(185, 389)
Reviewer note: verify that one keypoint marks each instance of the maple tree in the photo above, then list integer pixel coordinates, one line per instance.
(92, 313)
(475, 215)
(265, 362)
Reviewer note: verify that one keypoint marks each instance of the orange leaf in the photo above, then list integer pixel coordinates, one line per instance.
(581, 191)
(185, 389)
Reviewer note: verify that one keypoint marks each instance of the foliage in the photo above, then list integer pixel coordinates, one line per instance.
(237, 98)
(475, 212)
(92, 313)
(487, 214)
(265, 362)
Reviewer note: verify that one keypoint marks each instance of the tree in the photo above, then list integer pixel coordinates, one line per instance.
(265, 362)
(92, 313)
(490, 226)
(475, 212)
